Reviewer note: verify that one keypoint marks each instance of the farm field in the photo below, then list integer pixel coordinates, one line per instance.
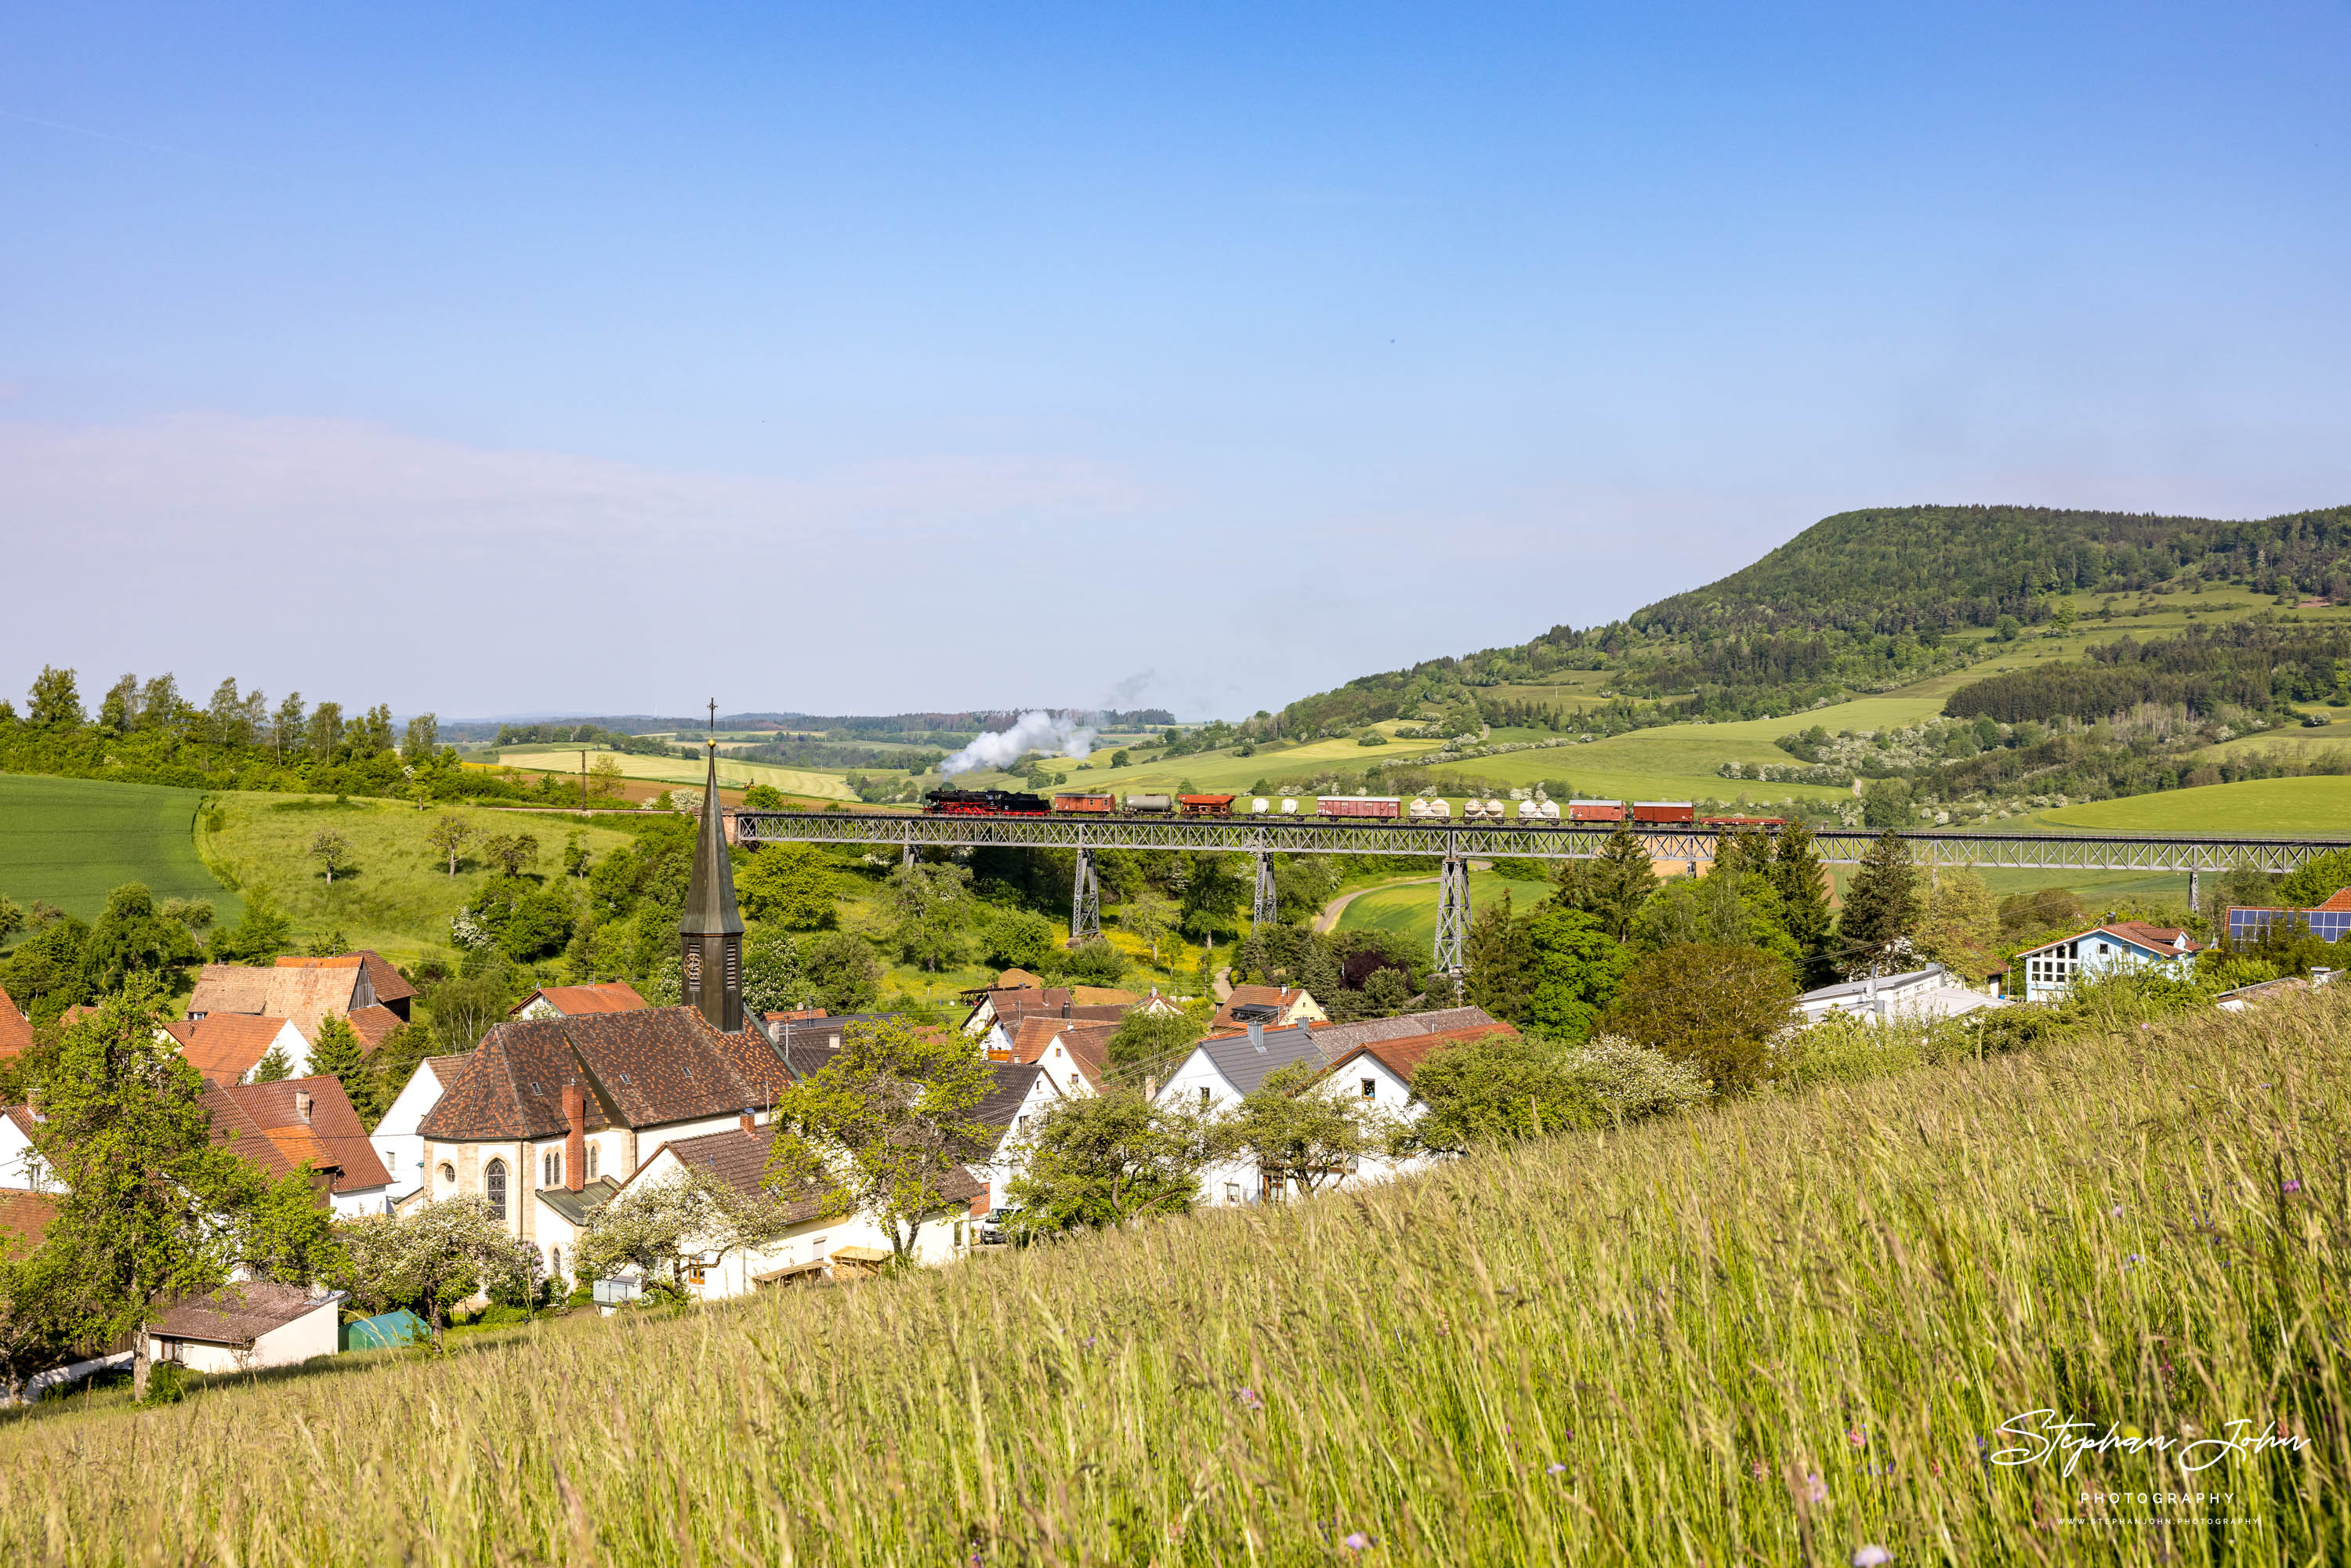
(401, 898)
(1221, 772)
(733, 773)
(2317, 803)
(1771, 1332)
(1409, 909)
(69, 840)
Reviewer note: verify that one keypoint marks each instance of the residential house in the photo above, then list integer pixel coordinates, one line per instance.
(572, 1001)
(1292, 1005)
(1915, 995)
(23, 1219)
(2117, 946)
(1020, 1095)
(1335, 1039)
(998, 1014)
(1220, 1071)
(225, 1048)
(247, 1326)
(16, 1029)
(1076, 1055)
(2278, 990)
(1377, 1076)
(22, 1169)
(361, 986)
(2326, 921)
(807, 1040)
(284, 1126)
(398, 1144)
(814, 1246)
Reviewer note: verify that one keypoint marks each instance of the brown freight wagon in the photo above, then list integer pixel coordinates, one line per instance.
(1204, 805)
(1086, 804)
(1664, 811)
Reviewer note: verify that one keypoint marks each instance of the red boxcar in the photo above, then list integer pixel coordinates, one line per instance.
(1204, 805)
(1091, 805)
(1664, 811)
(1595, 810)
(1378, 807)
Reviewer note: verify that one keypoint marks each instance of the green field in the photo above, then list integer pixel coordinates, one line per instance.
(400, 900)
(732, 772)
(2317, 804)
(1409, 909)
(69, 840)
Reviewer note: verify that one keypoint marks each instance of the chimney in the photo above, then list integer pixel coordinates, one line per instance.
(302, 1103)
(1256, 1034)
(575, 1142)
(745, 1122)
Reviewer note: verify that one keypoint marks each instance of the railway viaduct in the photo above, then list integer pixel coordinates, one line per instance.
(1456, 844)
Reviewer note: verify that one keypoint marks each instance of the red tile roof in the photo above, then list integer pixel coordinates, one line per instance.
(223, 1046)
(1087, 1043)
(268, 1130)
(643, 1069)
(1282, 997)
(15, 1033)
(373, 1025)
(24, 1217)
(1404, 1054)
(604, 996)
(2340, 899)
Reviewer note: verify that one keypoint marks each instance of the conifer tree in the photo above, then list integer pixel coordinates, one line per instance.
(273, 1067)
(339, 1055)
(1881, 910)
(1612, 887)
(1803, 887)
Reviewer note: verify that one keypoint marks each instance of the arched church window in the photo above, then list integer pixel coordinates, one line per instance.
(494, 1188)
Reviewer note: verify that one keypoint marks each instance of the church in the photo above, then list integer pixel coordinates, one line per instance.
(549, 1117)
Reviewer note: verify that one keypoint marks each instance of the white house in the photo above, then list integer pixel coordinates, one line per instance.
(813, 1247)
(295, 1121)
(1915, 995)
(2120, 944)
(247, 1326)
(1022, 1093)
(22, 1169)
(1219, 1072)
(397, 1142)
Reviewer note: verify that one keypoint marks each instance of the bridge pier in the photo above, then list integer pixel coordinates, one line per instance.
(1453, 920)
(1266, 909)
(1085, 899)
(2193, 887)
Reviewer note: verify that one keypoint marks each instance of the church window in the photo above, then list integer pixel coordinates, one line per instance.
(494, 1188)
(592, 1162)
(550, 1168)
(448, 1174)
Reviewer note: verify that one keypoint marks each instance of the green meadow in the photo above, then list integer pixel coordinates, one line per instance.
(69, 840)
(2318, 803)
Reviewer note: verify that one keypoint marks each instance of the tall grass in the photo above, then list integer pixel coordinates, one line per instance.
(1768, 1334)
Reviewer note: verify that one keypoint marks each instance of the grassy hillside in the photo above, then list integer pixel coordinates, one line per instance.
(733, 772)
(399, 899)
(69, 839)
(1771, 1334)
(2314, 805)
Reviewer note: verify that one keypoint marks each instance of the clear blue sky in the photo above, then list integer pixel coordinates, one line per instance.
(503, 359)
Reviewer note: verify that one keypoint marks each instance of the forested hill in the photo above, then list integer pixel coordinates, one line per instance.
(1909, 568)
(1863, 600)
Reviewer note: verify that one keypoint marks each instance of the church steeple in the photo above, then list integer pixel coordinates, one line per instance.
(710, 932)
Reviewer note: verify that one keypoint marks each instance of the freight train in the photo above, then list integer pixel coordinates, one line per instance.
(1328, 808)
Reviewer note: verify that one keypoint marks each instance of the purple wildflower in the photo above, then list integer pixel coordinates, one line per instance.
(1815, 1488)
(1087, 1342)
(2291, 1186)
(1554, 1469)
(1870, 1557)
(1250, 1400)
(1358, 1541)
(2118, 1211)
(1858, 1439)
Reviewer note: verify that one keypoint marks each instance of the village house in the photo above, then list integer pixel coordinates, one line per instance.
(2051, 968)
(998, 1011)
(1219, 1072)
(360, 986)
(1292, 1004)
(1376, 1076)
(225, 1048)
(247, 1326)
(16, 1029)
(1915, 995)
(2328, 921)
(807, 1040)
(572, 1001)
(1020, 1095)
(398, 1144)
(1074, 1055)
(814, 1246)
(284, 1126)
(22, 1169)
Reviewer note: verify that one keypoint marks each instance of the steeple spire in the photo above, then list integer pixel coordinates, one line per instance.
(710, 932)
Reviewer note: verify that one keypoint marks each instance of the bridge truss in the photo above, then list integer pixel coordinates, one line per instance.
(1455, 845)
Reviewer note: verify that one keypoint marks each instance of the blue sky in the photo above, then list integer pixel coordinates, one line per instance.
(580, 359)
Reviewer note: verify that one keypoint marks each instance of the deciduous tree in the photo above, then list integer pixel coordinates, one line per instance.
(1105, 1159)
(332, 851)
(883, 1126)
(1712, 1006)
(449, 835)
(1301, 1128)
(439, 1252)
(790, 885)
(659, 1224)
(511, 852)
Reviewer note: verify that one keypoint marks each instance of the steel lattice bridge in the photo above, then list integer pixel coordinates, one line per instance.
(1455, 845)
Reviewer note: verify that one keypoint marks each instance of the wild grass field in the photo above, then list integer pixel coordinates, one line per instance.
(399, 898)
(69, 840)
(1775, 1333)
